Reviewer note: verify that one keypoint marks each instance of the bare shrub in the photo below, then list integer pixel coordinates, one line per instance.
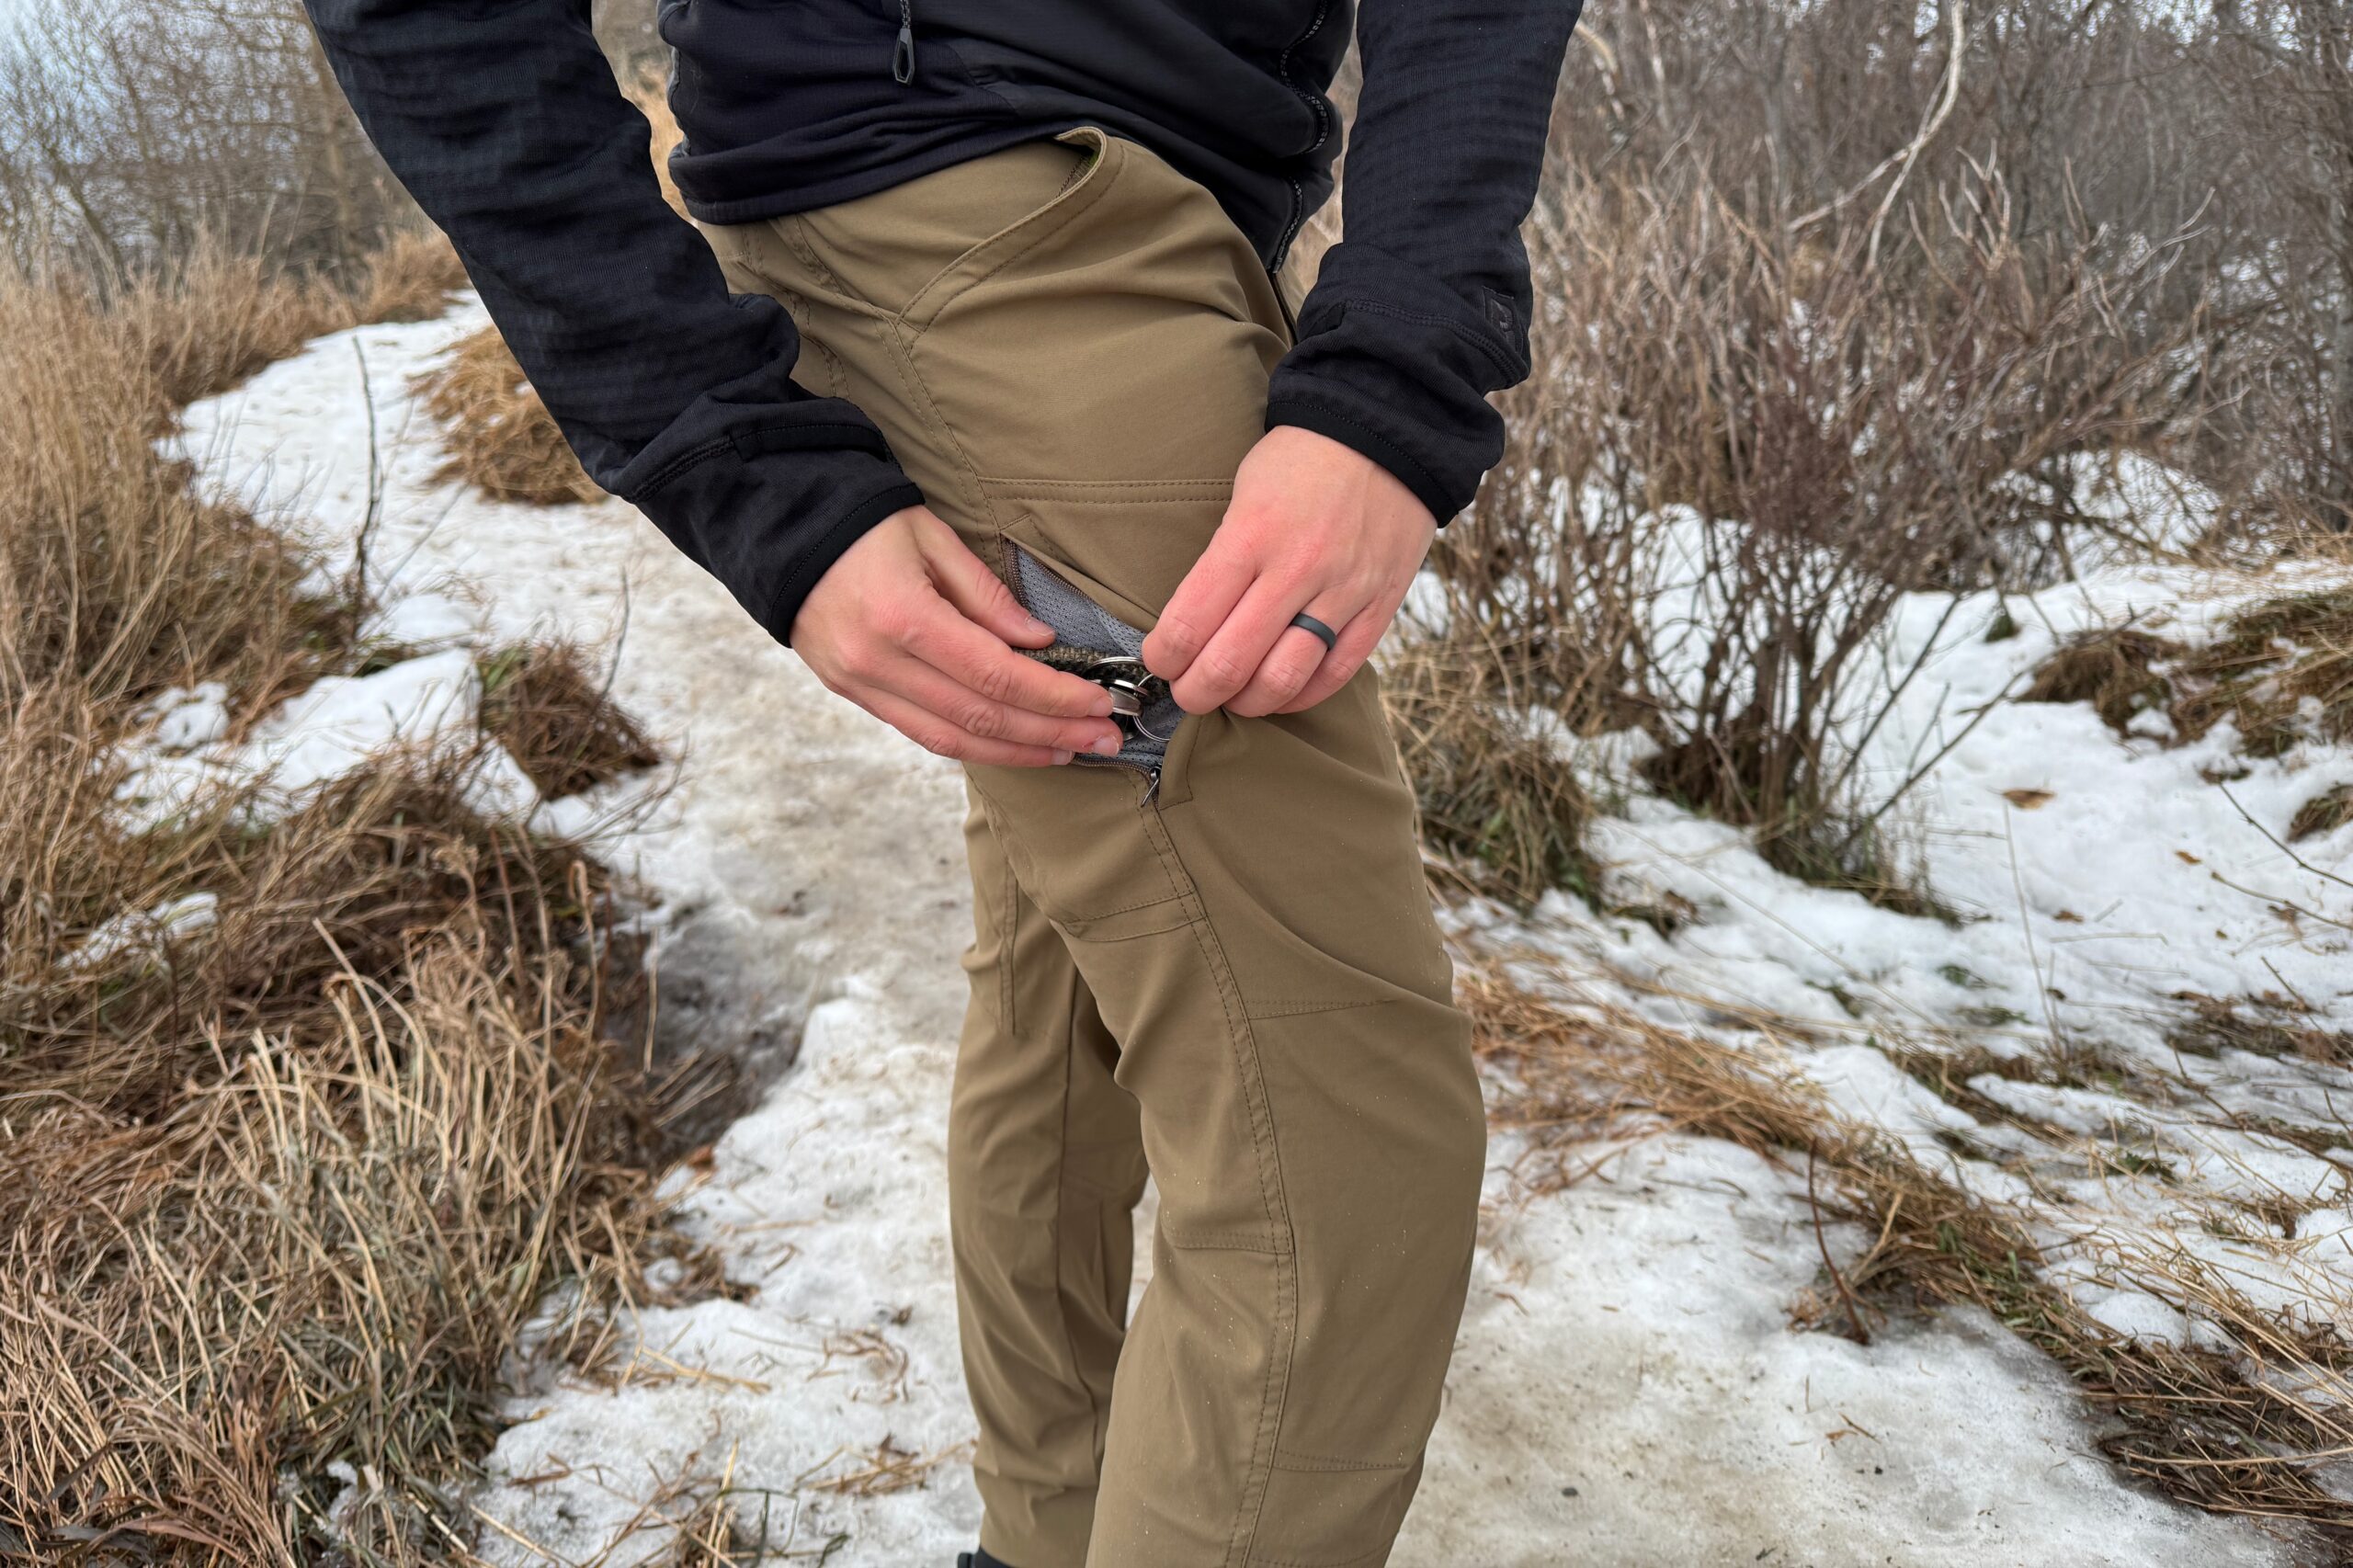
(134, 131)
(1742, 448)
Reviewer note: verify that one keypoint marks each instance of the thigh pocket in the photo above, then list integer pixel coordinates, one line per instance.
(1099, 632)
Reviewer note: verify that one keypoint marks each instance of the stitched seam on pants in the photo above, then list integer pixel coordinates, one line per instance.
(1293, 1010)
(1375, 1555)
(1009, 942)
(1217, 1241)
(1171, 896)
(1283, 1332)
(799, 237)
(1310, 1463)
(1096, 1412)
(901, 344)
(997, 816)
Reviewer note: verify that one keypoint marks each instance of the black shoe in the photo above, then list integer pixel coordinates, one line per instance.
(977, 1558)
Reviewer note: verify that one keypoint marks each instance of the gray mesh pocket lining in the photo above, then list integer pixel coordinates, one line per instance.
(1081, 622)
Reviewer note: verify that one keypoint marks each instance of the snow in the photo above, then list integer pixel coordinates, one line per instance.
(337, 726)
(1628, 1388)
(153, 929)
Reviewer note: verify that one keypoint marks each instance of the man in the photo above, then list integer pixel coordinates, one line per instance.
(995, 408)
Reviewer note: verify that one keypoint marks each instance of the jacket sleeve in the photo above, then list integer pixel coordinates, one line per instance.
(1422, 309)
(503, 120)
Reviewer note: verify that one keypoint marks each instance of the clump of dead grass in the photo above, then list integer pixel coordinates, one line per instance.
(220, 316)
(500, 437)
(2269, 1025)
(310, 1103)
(2114, 669)
(1498, 800)
(2243, 1433)
(557, 719)
(2322, 814)
(2280, 671)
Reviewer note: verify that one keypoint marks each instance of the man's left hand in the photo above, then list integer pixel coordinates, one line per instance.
(1314, 528)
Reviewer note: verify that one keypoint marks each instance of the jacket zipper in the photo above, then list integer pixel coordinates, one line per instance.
(1314, 101)
(903, 52)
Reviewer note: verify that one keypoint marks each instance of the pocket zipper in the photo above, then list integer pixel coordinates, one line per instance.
(1091, 642)
(1321, 108)
(903, 52)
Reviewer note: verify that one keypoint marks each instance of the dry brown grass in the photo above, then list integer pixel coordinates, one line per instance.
(2226, 1433)
(242, 1255)
(1498, 800)
(2280, 671)
(114, 580)
(500, 438)
(223, 316)
(554, 717)
(278, 1186)
(2324, 813)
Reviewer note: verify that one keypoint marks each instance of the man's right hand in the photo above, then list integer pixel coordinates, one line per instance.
(916, 629)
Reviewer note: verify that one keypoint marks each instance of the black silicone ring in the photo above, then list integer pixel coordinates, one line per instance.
(1323, 634)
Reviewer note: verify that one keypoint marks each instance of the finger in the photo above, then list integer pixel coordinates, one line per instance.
(1197, 609)
(1358, 639)
(1233, 654)
(962, 651)
(978, 594)
(940, 738)
(966, 709)
(1290, 663)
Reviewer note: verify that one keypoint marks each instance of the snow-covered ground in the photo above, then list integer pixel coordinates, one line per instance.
(1627, 1390)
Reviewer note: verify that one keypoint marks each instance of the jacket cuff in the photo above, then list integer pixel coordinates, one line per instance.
(764, 487)
(1397, 363)
(1337, 424)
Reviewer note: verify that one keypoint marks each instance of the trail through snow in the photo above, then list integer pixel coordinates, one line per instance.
(1627, 1390)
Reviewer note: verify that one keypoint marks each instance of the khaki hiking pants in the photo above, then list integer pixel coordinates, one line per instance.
(1215, 963)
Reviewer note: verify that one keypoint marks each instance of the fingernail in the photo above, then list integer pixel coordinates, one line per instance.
(1107, 744)
(1061, 758)
(1039, 627)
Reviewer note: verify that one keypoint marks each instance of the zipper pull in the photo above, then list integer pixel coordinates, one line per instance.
(903, 54)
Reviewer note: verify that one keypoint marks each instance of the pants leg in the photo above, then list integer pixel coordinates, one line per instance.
(1045, 1166)
(1068, 346)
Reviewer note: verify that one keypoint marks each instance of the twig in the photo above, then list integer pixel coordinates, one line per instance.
(2302, 863)
(1854, 1309)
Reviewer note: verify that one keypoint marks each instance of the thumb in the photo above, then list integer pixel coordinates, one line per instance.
(978, 594)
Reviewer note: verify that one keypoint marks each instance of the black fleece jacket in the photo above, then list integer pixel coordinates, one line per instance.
(503, 120)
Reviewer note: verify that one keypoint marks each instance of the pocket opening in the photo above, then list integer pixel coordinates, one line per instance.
(1083, 627)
